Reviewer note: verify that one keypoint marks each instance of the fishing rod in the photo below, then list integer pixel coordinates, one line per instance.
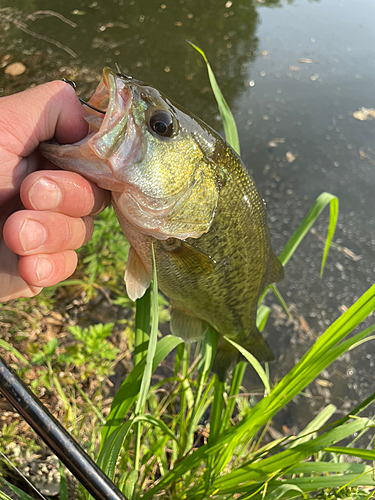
(56, 437)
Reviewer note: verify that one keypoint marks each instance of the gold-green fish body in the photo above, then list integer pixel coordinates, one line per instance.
(177, 184)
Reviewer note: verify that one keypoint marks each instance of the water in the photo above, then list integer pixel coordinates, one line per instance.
(293, 74)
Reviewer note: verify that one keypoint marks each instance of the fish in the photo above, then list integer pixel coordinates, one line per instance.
(178, 186)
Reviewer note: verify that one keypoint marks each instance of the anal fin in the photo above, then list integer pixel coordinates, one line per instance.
(183, 325)
(136, 277)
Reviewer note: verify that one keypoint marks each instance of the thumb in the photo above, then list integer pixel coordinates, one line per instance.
(39, 114)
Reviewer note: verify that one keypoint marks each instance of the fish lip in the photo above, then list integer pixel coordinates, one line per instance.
(114, 123)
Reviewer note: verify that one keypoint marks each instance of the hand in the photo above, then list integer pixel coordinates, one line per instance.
(37, 244)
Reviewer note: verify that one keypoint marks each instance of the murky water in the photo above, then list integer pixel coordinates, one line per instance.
(293, 74)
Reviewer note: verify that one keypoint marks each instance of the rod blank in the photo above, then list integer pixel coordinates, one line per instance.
(56, 437)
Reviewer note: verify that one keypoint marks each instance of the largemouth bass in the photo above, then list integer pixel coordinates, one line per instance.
(177, 184)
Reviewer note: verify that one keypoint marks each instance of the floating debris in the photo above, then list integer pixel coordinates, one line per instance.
(306, 60)
(275, 142)
(346, 251)
(363, 155)
(294, 68)
(339, 266)
(15, 69)
(324, 383)
(364, 114)
(290, 157)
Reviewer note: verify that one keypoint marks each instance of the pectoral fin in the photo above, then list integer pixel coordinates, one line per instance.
(136, 277)
(188, 257)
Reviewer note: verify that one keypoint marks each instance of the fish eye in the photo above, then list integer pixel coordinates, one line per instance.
(161, 122)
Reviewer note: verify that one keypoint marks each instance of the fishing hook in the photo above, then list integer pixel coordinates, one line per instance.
(72, 84)
(121, 74)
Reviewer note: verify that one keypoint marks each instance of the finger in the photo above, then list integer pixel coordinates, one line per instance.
(12, 285)
(29, 232)
(64, 192)
(47, 269)
(53, 110)
(30, 117)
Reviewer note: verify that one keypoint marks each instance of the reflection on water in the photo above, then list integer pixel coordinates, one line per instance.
(293, 73)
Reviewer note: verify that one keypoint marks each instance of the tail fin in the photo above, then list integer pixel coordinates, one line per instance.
(228, 356)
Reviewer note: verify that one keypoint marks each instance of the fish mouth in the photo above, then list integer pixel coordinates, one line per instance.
(113, 141)
(106, 133)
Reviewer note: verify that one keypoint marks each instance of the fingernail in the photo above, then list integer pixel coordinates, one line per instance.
(45, 194)
(32, 235)
(43, 269)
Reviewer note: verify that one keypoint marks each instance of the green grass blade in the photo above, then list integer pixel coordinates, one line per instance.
(3, 496)
(156, 423)
(90, 403)
(109, 454)
(237, 377)
(14, 351)
(146, 379)
(356, 410)
(319, 205)
(63, 398)
(142, 326)
(309, 483)
(353, 452)
(179, 357)
(315, 483)
(280, 491)
(280, 299)
(129, 390)
(262, 316)
(308, 468)
(254, 363)
(213, 465)
(129, 483)
(63, 494)
(314, 425)
(369, 496)
(217, 409)
(280, 462)
(209, 343)
(367, 339)
(229, 124)
(22, 495)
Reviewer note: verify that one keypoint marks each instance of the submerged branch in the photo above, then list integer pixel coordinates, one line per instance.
(23, 27)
